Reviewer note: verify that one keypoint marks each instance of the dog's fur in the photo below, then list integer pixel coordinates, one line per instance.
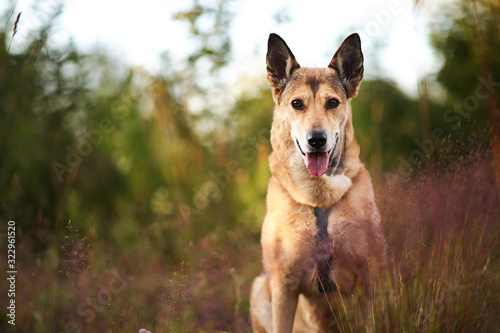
(286, 296)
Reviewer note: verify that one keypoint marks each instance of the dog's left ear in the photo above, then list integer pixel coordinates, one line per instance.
(348, 62)
(280, 62)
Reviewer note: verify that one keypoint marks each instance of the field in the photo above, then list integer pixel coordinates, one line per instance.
(137, 197)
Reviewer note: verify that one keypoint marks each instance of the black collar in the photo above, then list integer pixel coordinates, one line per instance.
(323, 252)
(321, 222)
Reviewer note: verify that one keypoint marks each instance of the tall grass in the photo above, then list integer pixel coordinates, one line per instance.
(442, 228)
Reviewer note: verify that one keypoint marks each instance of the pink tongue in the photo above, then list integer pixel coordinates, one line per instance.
(317, 163)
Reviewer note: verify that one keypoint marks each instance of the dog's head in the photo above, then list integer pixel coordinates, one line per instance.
(313, 104)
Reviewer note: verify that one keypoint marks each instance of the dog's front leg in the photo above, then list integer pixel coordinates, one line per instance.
(285, 296)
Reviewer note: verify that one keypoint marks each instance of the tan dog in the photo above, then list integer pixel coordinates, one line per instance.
(321, 239)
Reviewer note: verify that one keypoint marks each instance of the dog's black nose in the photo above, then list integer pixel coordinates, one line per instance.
(316, 139)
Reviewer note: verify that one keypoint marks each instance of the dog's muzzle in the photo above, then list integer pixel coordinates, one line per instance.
(317, 139)
(316, 155)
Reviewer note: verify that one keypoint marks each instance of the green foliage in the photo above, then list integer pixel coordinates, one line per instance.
(213, 39)
(469, 41)
(386, 123)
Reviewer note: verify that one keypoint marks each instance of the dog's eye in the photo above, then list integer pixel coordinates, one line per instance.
(297, 104)
(332, 103)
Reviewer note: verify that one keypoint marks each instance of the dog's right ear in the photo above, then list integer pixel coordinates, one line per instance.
(348, 62)
(280, 62)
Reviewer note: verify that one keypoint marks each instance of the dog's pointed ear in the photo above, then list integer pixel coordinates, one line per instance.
(280, 62)
(348, 62)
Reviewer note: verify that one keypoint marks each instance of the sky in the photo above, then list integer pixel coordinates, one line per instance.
(394, 34)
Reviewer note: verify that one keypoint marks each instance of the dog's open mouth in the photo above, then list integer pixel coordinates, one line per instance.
(317, 163)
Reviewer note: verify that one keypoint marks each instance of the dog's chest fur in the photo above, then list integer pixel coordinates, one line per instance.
(290, 237)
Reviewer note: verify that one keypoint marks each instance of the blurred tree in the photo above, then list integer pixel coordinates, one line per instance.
(386, 123)
(469, 40)
(200, 74)
(31, 126)
(209, 26)
(71, 128)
